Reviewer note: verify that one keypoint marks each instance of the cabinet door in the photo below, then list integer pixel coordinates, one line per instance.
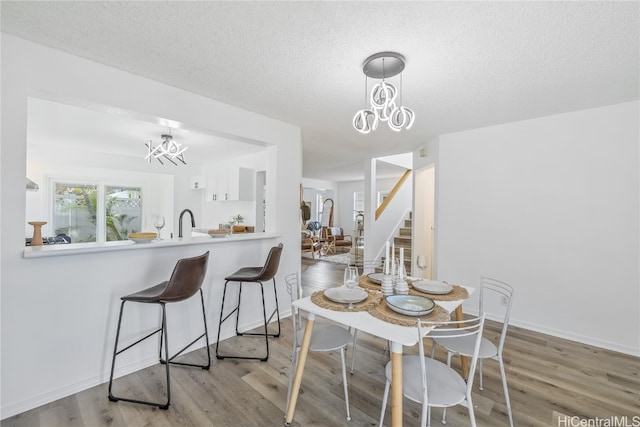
(223, 186)
(232, 184)
(246, 184)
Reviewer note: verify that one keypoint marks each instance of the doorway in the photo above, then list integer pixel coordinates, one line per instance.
(424, 220)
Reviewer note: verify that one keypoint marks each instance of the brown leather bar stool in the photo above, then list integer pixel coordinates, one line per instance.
(253, 275)
(185, 281)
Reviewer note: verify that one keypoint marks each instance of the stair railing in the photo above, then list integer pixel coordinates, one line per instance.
(392, 193)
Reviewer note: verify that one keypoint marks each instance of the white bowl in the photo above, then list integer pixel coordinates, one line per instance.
(141, 239)
(410, 305)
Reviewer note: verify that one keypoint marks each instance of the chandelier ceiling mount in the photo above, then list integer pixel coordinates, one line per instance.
(383, 64)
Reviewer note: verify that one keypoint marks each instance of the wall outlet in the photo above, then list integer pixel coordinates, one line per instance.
(504, 300)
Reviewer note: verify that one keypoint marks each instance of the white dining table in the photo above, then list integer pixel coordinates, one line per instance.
(399, 336)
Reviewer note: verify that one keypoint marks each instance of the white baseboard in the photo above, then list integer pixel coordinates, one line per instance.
(52, 395)
(607, 345)
(69, 389)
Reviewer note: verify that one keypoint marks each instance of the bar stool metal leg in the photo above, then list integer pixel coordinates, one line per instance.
(205, 335)
(236, 310)
(257, 275)
(162, 330)
(185, 281)
(276, 312)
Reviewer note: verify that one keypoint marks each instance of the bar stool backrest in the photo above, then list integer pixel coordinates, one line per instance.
(186, 279)
(270, 268)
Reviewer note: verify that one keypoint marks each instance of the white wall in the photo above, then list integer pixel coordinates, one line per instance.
(549, 205)
(59, 313)
(215, 213)
(313, 187)
(344, 199)
(311, 195)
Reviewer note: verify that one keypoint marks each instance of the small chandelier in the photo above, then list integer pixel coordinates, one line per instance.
(384, 95)
(167, 149)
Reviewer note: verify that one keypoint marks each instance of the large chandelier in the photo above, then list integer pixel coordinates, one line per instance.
(384, 95)
(168, 149)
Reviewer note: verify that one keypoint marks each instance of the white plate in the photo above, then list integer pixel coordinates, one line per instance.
(432, 287)
(376, 277)
(219, 235)
(410, 305)
(142, 239)
(346, 295)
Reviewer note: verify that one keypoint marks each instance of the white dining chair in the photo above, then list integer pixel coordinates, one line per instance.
(502, 295)
(325, 338)
(433, 383)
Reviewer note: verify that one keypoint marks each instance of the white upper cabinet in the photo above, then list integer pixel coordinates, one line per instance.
(232, 184)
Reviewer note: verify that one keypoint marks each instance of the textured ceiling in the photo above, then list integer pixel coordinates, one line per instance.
(469, 64)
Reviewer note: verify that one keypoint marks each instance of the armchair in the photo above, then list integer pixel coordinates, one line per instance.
(334, 237)
(309, 243)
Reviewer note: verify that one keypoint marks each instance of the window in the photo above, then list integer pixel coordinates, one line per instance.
(93, 212)
(358, 211)
(319, 206)
(123, 212)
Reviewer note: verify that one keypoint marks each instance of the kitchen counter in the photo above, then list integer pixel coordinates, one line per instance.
(124, 245)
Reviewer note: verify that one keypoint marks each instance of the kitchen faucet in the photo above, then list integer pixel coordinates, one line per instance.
(193, 222)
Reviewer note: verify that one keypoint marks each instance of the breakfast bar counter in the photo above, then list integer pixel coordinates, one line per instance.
(86, 248)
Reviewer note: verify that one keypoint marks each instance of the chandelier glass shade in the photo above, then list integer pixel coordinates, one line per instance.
(384, 96)
(168, 149)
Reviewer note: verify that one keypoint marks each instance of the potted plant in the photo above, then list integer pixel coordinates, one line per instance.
(237, 228)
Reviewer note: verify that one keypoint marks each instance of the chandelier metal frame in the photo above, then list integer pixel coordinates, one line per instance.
(167, 149)
(384, 95)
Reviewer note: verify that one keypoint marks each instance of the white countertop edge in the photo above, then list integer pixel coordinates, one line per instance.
(87, 248)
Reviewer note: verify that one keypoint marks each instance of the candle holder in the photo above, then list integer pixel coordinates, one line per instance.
(386, 285)
(401, 287)
(36, 240)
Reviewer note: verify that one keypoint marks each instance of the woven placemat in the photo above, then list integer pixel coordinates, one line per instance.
(383, 312)
(457, 293)
(366, 283)
(319, 299)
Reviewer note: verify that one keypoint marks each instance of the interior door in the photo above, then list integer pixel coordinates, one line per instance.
(424, 220)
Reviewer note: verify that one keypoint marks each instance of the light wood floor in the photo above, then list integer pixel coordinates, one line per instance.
(548, 378)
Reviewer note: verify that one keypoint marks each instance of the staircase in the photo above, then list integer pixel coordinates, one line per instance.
(403, 240)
